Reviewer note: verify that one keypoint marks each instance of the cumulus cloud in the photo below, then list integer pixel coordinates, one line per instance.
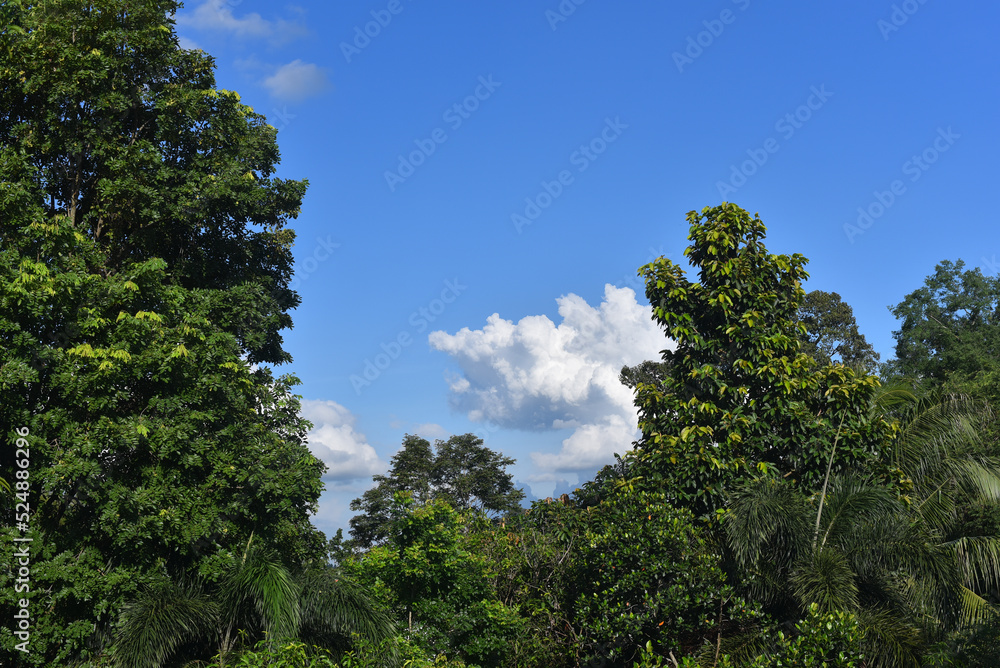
(296, 81)
(537, 375)
(334, 440)
(218, 15)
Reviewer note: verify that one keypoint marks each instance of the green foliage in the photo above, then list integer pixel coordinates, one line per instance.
(899, 555)
(739, 397)
(832, 333)
(949, 326)
(821, 640)
(440, 590)
(280, 654)
(368, 655)
(144, 269)
(256, 598)
(534, 556)
(646, 573)
(949, 337)
(461, 471)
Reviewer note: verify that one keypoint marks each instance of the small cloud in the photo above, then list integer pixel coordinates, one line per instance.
(333, 439)
(296, 81)
(187, 44)
(430, 431)
(218, 15)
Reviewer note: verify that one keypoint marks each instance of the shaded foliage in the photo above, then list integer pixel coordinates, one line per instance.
(831, 333)
(461, 471)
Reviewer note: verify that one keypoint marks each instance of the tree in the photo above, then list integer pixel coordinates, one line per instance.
(739, 396)
(949, 337)
(649, 372)
(645, 572)
(461, 471)
(439, 589)
(144, 269)
(894, 555)
(832, 333)
(255, 596)
(949, 326)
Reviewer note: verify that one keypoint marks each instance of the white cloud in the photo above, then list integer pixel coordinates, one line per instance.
(430, 431)
(218, 15)
(333, 439)
(296, 81)
(537, 375)
(186, 43)
(592, 446)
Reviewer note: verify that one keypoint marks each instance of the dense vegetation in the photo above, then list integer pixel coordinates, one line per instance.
(789, 503)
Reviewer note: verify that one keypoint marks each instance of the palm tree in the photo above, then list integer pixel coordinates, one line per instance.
(890, 553)
(258, 597)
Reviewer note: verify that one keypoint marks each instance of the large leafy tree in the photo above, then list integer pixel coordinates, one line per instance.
(645, 572)
(144, 265)
(949, 326)
(738, 395)
(831, 333)
(461, 471)
(440, 590)
(949, 337)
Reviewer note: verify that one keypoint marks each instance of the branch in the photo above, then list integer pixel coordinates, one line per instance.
(826, 481)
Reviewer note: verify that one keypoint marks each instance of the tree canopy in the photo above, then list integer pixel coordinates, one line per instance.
(950, 325)
(780, 507)
(144, 269)
(739, 396)
(831, 333)
(460, 470)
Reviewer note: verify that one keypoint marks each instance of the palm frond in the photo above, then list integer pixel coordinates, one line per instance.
(888, 641)
(827, 579)
(852, 502)
(976, 609)
(767, 512)
(262, 584)
(978, 477)
(979, 560)
(165, 616)
(333, 603)
(891, 397)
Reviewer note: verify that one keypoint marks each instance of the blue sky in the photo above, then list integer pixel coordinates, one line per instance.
(486, 178)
